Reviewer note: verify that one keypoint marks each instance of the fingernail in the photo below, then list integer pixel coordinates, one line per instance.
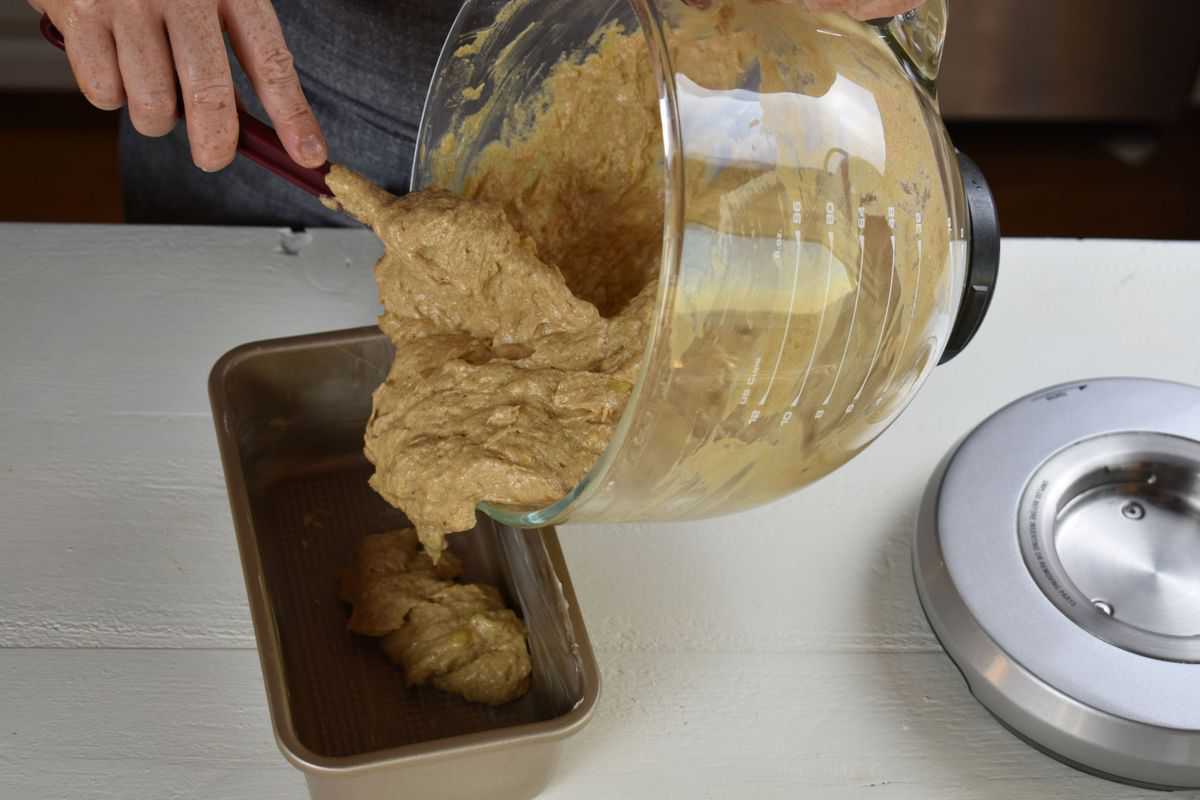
(213, 164)
(312, 149)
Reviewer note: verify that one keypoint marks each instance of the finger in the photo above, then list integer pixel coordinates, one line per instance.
(876, 9)
(147, 72)
(258, 41)
(863, 9)
(92, 54)
(198, 50)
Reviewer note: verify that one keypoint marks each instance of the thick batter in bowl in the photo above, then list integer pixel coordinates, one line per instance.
(781, 179)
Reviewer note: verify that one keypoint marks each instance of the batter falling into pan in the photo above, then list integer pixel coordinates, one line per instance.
(458, 637)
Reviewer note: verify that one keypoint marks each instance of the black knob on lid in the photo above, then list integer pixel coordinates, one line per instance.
(983, 259)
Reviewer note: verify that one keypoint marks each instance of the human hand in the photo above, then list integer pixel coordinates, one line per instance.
(859, 9)
(862, 9)
(129, 52)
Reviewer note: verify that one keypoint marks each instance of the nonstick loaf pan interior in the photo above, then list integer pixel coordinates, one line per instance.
(290, 415)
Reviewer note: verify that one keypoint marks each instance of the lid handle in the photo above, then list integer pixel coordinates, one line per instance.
(921, 35)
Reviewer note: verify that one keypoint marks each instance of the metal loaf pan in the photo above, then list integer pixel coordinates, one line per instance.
(290, 416)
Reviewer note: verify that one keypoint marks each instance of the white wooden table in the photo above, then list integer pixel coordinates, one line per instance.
(777, 654)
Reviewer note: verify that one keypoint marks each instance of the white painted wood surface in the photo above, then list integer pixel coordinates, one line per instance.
(779, 653)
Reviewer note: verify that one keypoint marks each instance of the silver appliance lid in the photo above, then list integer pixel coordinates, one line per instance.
(1058, 560)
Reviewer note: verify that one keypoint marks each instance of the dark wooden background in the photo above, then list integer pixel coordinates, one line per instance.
(1050, 179)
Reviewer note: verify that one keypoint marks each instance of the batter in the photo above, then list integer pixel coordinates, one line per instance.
(520, 309)
(457, 637)
(519, 312)
(821, 250)
(505, 385)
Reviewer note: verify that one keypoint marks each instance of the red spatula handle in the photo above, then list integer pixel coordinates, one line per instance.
(257, 141)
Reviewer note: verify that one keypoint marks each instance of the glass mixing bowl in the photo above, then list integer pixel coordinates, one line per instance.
(823, 246)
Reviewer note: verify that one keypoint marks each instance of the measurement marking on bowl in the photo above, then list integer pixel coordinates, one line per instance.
(751, 379)
(912, 313)
(862, 262)
(812, 359)
(887, 314)
(787, 326)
